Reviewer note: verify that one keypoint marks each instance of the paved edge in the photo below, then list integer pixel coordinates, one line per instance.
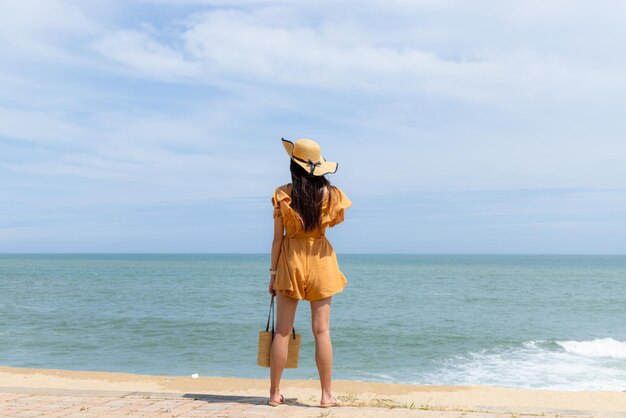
(261, 401)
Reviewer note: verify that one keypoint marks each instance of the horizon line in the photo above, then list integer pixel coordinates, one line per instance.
(267, 253)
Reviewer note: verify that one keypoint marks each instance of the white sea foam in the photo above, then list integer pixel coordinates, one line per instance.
(598, 364)
(600, 347)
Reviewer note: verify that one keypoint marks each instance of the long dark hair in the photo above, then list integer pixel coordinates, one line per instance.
(307, 195)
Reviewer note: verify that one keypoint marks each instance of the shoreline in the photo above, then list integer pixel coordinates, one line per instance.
(484, 400)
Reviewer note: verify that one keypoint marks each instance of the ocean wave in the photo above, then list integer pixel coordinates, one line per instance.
(600, 347)
(561, 365)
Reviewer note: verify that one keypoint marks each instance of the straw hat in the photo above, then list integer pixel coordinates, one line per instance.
(307, 154)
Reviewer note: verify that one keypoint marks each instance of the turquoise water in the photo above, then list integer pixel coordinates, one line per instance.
(522, 321)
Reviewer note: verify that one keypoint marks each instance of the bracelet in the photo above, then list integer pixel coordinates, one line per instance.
(272, 272)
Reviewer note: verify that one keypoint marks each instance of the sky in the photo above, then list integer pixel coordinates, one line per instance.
(459, 127)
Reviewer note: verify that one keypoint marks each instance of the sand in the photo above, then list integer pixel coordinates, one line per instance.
(400, 397)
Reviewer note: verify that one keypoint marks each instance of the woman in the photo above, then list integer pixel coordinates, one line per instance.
(303, 263)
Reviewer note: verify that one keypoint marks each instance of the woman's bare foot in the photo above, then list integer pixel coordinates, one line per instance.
(276, 399)
(328, 401)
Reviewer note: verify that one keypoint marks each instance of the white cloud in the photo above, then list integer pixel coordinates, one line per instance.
(473, 59)
(140, 51)
(38, 127)
(43, 18)
(40, 29)
(222, 46)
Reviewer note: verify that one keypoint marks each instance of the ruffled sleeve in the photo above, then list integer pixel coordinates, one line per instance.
(281, 201)
(337, 205)
(276, 199)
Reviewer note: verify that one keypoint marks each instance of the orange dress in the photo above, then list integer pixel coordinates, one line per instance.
(307, 266)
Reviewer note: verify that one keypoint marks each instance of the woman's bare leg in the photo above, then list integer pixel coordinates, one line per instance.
(320, 322)
(285, 315)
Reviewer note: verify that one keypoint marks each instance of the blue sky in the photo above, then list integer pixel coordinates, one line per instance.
(460, 127)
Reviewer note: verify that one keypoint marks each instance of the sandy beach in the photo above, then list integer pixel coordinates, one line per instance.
(246, 397)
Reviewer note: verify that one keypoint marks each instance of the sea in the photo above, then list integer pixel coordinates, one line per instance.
(525, 321)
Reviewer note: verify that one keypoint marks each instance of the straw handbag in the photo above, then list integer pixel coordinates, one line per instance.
(265, 344)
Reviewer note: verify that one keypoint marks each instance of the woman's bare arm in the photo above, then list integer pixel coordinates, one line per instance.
(279, 234)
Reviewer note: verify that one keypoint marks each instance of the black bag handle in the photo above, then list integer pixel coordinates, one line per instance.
(271, 315)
